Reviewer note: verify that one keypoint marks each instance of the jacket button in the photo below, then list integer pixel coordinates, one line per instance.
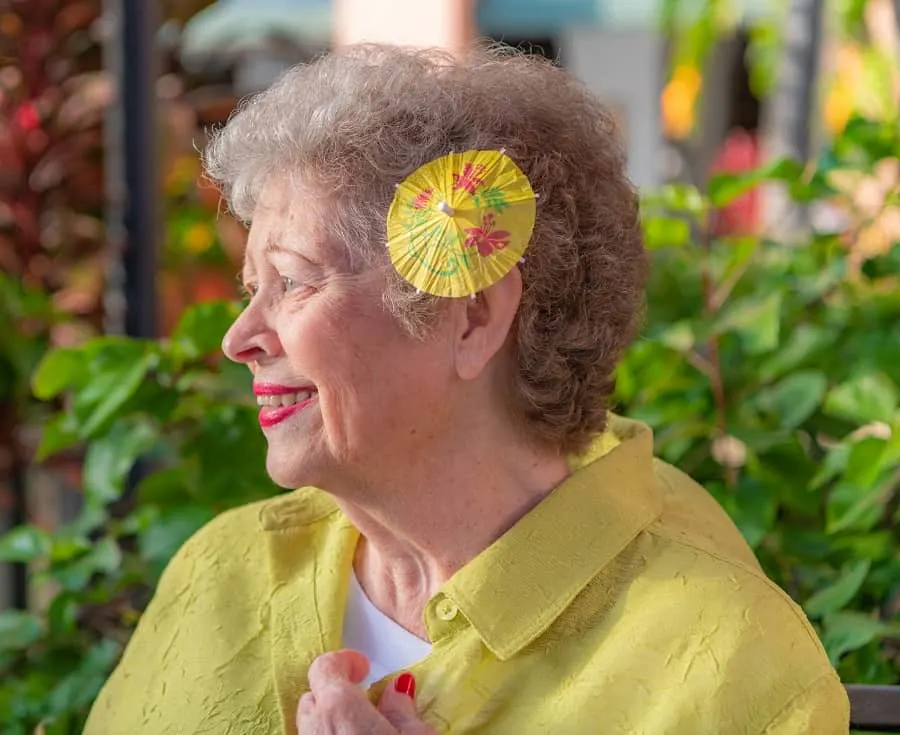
(446, 610)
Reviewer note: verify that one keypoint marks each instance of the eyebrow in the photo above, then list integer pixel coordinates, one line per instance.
(273, 248)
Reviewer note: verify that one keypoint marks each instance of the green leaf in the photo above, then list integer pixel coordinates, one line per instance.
(666, 232)
(104, 557)
(673, 198)
(62, 615)
(837, 596)
(681, 198)
(60, 432)
(848, 631)
(753, 508)
(107, 391)
(110, 458)
(59, 370)
(202, 327)
(865, 398)
(228, 431)
(91, 518)
(851, 14)
(164, 487)
(851, 508)
(24, 544)
(67, 547)
(756, 321)
(763, 55)
(864, 142)
(795, 398)
(18, 629)
(725, 188)
(166, 534)
(801, 345)
(738, 251)
(834, 464)
(875, 546)
(815, 188)
(78, 689)
(864, 465)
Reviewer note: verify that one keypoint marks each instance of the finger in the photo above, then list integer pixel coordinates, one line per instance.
(398, 706)
(339, 707)
(338, 667)
(306, 708)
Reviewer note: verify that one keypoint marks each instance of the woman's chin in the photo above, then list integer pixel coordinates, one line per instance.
(288, 473)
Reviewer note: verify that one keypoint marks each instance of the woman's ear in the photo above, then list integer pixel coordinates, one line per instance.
(486, 324)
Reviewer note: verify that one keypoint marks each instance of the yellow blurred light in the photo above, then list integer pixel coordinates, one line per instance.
(689, 77)
(199, 238)
(838, 108)
(677, 110)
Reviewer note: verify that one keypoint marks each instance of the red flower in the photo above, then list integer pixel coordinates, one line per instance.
(470, 178)
(422, 199)
(486, 238)
(27, 116)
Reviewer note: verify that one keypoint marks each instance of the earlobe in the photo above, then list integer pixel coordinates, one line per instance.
(487, 324)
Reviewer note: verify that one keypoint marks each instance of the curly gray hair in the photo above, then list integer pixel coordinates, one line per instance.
(359, 120)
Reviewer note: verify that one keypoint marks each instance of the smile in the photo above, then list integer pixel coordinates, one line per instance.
(279, 402)
(285, 399)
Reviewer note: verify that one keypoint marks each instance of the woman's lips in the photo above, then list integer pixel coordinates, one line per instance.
(272, 415)
(273, 389)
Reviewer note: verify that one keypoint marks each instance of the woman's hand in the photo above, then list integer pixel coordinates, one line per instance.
(335, 704)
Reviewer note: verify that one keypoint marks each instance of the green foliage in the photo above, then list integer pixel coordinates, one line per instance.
(25, 316)
(771, 375)
(189, 417)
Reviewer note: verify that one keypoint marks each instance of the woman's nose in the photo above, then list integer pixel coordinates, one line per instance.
(250, 339)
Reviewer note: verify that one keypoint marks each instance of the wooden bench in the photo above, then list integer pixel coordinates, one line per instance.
(874, 707)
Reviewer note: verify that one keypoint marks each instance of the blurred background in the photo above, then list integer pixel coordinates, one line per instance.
(764, 136)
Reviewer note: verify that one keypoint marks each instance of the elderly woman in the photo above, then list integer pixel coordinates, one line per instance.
(477, 544)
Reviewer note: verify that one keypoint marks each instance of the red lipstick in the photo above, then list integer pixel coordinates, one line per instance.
(272, 415)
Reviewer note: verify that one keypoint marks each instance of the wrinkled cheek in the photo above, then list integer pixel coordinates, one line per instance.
(339, 413)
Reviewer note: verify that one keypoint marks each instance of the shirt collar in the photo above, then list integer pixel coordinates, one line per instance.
(517, 587)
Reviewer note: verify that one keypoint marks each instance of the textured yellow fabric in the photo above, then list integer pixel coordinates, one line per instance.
(626, 602)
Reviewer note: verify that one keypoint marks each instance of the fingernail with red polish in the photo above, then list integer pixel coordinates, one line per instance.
(406, 684)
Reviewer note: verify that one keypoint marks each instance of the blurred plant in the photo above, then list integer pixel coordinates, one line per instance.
(190, 416)
(861, 76)
(772, 376)
(694, 30)
(51, 197)
(203, 246)
(864, 78)
(52, 98)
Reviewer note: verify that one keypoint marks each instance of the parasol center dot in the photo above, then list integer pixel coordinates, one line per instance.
(446, 208)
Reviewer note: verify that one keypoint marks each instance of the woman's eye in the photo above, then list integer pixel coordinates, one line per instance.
(289, 283)
(249, 290)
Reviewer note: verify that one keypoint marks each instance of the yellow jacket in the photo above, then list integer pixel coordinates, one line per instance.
(626, 602)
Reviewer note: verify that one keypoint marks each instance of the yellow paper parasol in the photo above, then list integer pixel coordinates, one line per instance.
(461, 222)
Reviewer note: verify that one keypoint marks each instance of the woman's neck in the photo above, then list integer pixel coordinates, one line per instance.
(419, 530)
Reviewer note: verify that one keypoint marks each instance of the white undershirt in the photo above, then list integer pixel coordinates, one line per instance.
(389, 646)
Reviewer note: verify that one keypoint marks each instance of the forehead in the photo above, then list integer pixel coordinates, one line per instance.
(287, 217)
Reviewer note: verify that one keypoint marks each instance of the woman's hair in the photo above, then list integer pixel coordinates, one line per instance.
(358, 121)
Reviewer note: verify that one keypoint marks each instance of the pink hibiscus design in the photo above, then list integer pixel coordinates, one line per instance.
(486, 238)
(422, 199)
